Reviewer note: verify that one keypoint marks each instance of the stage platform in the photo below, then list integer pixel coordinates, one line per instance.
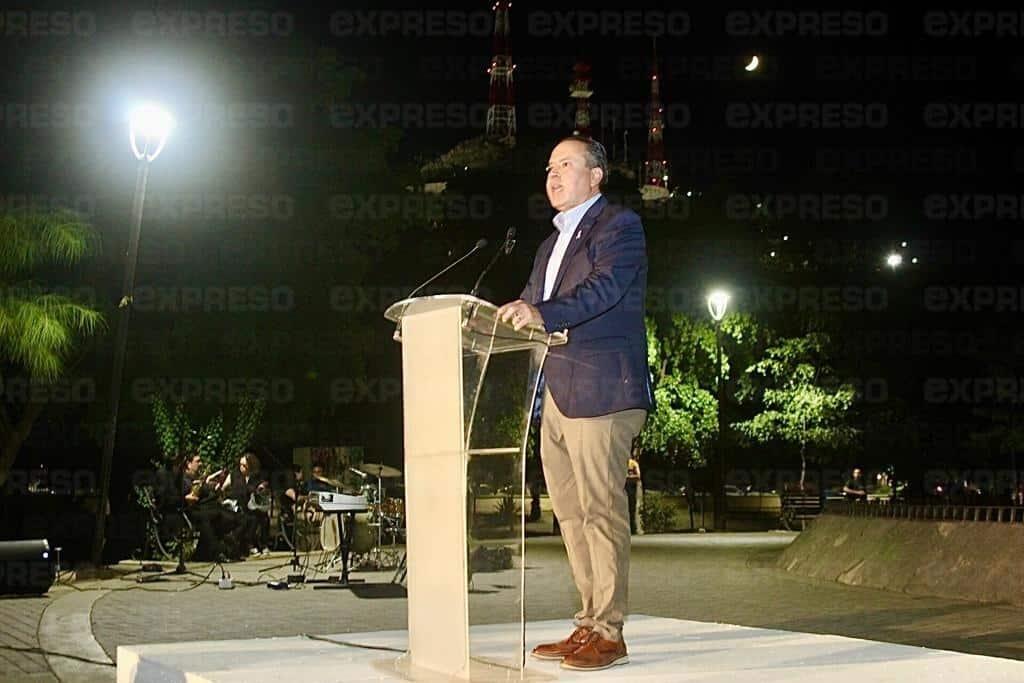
(659, 650)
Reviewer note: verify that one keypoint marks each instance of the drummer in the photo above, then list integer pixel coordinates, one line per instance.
(318, 482)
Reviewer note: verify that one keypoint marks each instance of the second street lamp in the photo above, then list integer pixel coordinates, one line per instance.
(148, 129)
(718, 303)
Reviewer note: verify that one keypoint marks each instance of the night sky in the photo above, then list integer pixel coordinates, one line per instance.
(277, 225)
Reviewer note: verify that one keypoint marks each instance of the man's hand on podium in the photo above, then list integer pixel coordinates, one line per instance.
(520, 314)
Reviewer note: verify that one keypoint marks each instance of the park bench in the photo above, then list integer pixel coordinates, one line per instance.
(798, 509)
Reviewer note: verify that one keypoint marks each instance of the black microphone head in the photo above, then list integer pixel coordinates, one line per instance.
(480, 244)
(510, 240)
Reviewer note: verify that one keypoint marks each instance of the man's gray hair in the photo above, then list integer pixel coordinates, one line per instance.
(594, 152)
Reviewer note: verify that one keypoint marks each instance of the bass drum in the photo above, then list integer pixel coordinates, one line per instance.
(308, 520)
(363, 537)
(330, 538)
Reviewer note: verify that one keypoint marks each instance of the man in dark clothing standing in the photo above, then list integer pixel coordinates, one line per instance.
(854, 488)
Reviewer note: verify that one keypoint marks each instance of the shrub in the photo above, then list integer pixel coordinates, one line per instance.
(657, 513)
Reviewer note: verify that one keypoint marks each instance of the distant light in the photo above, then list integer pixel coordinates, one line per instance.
(894, 260)
(772, 254)
(46, 554)
(759, 205)
(754, 63)
(665, 177)
(148, 127)
(689, 193)
(718, 302)
(903, 244)
(785, 238)
(913, 260)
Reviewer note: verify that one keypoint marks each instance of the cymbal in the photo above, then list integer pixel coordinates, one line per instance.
(332, 482)
(382, 471)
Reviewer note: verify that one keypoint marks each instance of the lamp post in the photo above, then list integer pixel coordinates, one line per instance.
(718, 302)
(149, 127)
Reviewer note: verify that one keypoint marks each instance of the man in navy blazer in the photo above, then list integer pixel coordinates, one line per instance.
(589, 278)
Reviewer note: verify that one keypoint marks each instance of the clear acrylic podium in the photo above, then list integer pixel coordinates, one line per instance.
(469, 383)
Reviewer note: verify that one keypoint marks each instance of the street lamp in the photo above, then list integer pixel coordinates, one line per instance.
(894, 260)
(718, 303)
(149, 126)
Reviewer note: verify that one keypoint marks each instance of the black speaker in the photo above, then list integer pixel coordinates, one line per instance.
(26, 566)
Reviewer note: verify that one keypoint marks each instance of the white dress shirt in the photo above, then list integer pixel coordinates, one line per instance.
(566, 222)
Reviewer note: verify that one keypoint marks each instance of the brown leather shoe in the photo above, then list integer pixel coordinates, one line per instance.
(597, 653)
(563, 648)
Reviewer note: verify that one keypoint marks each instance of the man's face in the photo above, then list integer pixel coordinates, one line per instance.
(570, 182)
(193, 465)
(318, 471)
(856, 473)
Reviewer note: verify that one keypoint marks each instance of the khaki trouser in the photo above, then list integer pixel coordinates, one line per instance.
(585, 463)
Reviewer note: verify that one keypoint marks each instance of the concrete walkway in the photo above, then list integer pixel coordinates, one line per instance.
(723, 578)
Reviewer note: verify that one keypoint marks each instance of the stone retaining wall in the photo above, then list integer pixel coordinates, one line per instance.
(981, 561)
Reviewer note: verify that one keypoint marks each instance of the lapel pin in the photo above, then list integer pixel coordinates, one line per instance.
(578, 234)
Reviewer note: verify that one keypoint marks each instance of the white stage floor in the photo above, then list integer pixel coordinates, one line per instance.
(659, 650)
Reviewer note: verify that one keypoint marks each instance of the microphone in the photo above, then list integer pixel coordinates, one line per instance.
(359, 472)
(510, 240)
(506, 248)
(480, 244)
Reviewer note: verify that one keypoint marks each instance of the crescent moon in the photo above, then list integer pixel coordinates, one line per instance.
(754, 61)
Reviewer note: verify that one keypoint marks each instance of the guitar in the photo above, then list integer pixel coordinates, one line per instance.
(259, 500)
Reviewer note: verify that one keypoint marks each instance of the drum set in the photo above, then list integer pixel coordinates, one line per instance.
(385, 515)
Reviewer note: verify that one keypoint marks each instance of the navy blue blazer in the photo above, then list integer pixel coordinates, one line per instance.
(599, 298)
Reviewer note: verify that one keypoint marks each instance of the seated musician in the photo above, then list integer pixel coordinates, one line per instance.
(251, 490)
(290, 489)
(289, 492)
(318, 482)
(209, 518)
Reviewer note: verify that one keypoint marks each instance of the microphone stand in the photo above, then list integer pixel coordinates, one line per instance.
(505, 248)
(179, 483)
(181, 568)
(480, 244)
(295, 532)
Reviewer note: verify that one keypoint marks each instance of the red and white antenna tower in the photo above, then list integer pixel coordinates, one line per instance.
(580, 91)
(655, 179)
(501, 112)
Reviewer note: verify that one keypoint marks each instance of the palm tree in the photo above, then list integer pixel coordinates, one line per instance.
(39, 328)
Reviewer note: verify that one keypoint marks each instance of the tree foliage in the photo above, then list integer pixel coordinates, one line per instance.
(40, 328)
(682, 359)
(176, 434)
(800, 402)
